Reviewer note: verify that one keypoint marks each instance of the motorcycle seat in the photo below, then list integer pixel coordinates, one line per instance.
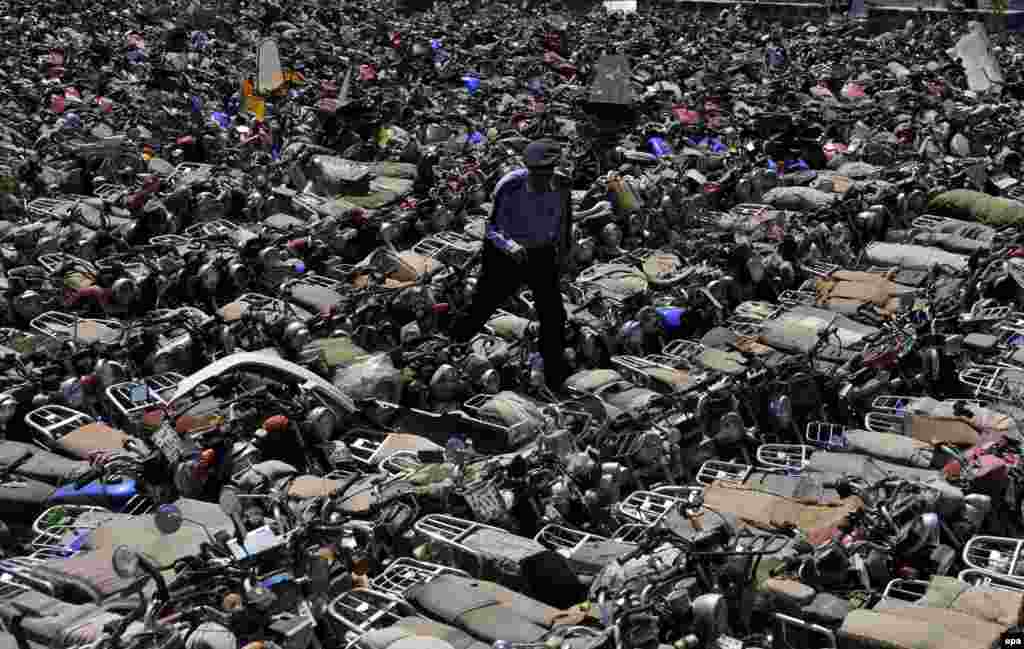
(43, 465)
(85, 440)
(87, 577)
(48, 619)
(486, 610)
(311, 296)
(415, 627)
(309, 486)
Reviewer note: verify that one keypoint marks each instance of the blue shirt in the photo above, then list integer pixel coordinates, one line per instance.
(531, 219)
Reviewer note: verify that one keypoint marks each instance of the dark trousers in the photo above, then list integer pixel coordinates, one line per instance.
(500, 279)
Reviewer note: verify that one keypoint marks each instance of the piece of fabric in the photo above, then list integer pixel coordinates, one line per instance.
(894, 448)
(485, 609)
(918, 627)
(848, 290)
(943, 430)
(85, 440)
(977, 206)
(769, 511)
(996, 606)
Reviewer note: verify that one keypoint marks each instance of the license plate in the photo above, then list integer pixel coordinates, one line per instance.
(167, 440)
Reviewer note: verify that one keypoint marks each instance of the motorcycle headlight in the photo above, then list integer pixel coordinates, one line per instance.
(209, 276)
(8, 407)
(490, 382)
(270, 257)
(755, 266)
(239, 274)
(296, 335)
(124, 291)
(443, 382)
(590, 347)
(611, 234)
(585, 251)
(227, 339)
(730, 429)
(163, 361)
(29, 304)
(73, 393)
(321, 423)
(108, 372)
(649, 320)
(409, 332)
(782, 408)
(388, 232)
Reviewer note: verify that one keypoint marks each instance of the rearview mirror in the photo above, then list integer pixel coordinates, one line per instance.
(168, 519)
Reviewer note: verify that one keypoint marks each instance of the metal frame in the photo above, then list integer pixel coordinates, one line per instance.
(51, 323)
(650, 507)
(53, 422)
(785, 457)
(827, 435)
(993, 381)
(560, 538)
(996, 555)
(404, 573)
(683, 350)
(400, 463)
(785, 622)
(159, 389)
(378, 609)
(990, 580)
(910, 591)
(452, 531)
(713, 470)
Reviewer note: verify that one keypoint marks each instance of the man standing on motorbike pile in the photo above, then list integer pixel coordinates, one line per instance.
(528, 242)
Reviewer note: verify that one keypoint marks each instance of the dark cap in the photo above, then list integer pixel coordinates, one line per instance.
(542, 153)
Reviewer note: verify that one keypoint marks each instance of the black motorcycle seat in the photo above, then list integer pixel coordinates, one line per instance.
(313, 297)
(43, 465)
(408, 627)
(485, 609)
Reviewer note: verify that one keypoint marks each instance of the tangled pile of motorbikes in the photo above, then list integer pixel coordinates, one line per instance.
(233, 240)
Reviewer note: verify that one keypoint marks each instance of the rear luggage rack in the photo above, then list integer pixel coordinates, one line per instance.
(827, 435)
(714, 470)
(987, 579)
(909, 591)
(994, 382)
(133, 399)
(649, 507)
(786, 626)
(791, 458)
(996, 555)
(404, 573)
(52, 422)
(361, 610)
(564, 540)
(65, 326)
